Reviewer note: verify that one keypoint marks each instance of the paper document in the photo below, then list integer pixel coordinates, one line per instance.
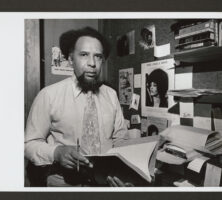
(213, 175)
(191, 92)
(144, 124)
(186, 135)
(162, 50)
(135, 119)
(137, 81)
(197, 164)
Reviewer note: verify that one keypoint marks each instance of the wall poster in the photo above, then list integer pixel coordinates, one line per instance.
(157, 79)
(59, 65)
(125, 86)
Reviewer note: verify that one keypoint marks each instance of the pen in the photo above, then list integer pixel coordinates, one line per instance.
(78, 147)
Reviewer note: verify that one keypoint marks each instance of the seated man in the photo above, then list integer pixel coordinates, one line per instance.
(79, 108)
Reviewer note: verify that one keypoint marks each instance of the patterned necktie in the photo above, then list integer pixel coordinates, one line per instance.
(90, 138)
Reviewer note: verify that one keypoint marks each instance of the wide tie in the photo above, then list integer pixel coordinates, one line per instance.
(90, 138)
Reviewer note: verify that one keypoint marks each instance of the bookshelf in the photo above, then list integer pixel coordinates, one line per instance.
(204, 54)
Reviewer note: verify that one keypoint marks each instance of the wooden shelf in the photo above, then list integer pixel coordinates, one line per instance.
(199, 55)
(215, 99)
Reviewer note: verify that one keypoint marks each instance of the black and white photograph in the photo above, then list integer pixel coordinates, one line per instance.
(79, 93)
(67, 131)
(148, 37)
(125, 86)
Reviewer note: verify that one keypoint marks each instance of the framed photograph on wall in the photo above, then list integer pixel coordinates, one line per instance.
(157, 79)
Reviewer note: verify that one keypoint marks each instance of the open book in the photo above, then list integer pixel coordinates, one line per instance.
(187, 142)
(133, 163)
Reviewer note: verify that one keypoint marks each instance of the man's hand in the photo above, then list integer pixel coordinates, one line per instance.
(67, 157)
(116, 182)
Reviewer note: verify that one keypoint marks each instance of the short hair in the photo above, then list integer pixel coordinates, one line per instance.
(159, 77)
(67, 40)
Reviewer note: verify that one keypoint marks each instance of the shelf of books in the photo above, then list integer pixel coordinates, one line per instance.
(198, 40)
(204, 54)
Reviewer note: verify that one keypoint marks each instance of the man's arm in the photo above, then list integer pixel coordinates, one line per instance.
(37, 150)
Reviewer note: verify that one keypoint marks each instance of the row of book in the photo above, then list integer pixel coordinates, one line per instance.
(191, 34)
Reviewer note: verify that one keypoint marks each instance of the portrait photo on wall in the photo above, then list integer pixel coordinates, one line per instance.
(157, 79)
(148, 37)
(125, 86)
(126, 44)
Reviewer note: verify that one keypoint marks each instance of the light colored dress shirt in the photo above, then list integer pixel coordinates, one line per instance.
(56, 118)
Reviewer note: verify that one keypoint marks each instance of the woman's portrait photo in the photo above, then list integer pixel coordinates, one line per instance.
(156, 88)
(157, 79)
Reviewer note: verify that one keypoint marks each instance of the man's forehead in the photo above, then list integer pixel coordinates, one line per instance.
(88, 43)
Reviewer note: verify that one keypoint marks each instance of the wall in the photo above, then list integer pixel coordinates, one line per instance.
(204, 75)
(116, 27)
(113, 28)
(32, 62)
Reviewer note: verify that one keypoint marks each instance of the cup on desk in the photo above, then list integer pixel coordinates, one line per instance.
(134, 133)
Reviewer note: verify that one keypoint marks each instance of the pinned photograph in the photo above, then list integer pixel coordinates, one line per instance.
(59, 65)
(126, 44)
(135, 119)
(125, 86)
(157, 79)
(153, 126)
(148, 37)
(135, 101)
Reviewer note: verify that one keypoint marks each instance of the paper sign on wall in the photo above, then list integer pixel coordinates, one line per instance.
(125, 86)
(127, 122)
(144, 125)
(137, 81)
(186, 109)
(183, 81)
(163, 50)
(202, 122)
(135, 101)
(135, 119)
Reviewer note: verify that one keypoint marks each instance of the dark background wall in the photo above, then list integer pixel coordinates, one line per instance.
(205, 74)
(117, 27)
(112, 28)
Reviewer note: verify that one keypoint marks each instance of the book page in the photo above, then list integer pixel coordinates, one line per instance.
(197, 164)
(139, 155)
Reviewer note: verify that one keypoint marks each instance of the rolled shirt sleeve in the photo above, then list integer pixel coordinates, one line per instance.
(37, 150)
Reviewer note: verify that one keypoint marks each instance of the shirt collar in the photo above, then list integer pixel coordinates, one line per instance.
(76, 89)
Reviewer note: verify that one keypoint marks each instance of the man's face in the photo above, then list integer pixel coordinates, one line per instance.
(87, 58)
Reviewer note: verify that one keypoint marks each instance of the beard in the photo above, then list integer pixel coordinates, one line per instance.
(86, 85)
